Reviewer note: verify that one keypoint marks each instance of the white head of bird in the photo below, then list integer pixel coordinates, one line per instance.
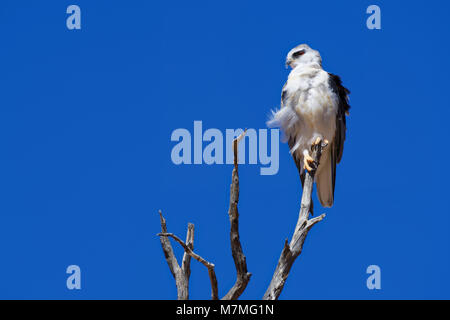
(303, 55)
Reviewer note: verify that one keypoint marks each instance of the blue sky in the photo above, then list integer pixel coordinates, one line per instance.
(86, 118)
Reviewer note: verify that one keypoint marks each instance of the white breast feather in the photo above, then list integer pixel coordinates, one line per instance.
(310, 109)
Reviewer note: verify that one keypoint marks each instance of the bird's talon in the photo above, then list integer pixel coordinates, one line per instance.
(309, 163)
(317, 141)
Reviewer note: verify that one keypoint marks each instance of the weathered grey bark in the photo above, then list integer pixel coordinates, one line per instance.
(180, 274)
(243, 276)
(293, 249)
(288, 256)
(208, 265)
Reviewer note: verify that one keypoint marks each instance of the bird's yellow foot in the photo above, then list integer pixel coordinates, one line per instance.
(308, 162)
(321, 142)
(317, 141)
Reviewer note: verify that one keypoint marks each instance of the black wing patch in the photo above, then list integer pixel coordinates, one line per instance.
(337, 147)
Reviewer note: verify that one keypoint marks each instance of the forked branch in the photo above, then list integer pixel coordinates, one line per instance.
(293, 249)
(182, 274)
(208, 265)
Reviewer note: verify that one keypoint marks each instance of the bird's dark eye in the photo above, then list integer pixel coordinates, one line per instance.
(298, 54)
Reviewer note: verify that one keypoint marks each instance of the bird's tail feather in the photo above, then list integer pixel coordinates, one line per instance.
(324, 182)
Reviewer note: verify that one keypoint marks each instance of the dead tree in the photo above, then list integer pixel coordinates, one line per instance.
(293, 249)
(288, 256)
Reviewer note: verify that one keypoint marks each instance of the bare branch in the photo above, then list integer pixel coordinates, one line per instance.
(181, 275)
(167, 248)
(243, 276)
(292, 250)
(208, 265)
(186, 263)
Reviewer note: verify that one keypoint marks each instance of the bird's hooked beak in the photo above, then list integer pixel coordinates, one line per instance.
(288, 63)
